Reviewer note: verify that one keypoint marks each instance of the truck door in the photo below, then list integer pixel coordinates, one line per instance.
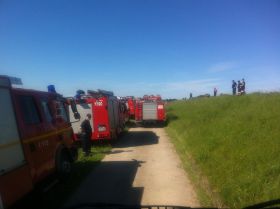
(47, 146)
(33, 133)
(15, 178)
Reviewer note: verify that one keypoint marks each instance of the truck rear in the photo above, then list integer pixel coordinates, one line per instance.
(150, 109)
(153, 111)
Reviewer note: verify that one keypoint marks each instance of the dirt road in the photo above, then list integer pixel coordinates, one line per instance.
(142, 168)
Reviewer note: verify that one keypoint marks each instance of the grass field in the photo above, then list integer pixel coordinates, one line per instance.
(232, 141)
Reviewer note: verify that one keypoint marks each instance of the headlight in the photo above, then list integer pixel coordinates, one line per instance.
(101, 128)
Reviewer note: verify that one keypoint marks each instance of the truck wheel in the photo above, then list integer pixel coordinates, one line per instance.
(63, 165)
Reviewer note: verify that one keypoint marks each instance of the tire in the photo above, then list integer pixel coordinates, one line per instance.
(63, 165)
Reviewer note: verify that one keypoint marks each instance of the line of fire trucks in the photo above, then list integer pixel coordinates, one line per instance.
(39, 130)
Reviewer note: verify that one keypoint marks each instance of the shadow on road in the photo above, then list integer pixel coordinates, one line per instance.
(115, 152)
(147, 124)
(136, 138)
(153, 124)
(110, 182)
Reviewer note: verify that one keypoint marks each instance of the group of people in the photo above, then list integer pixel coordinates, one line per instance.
(237, 89)
(239, 86)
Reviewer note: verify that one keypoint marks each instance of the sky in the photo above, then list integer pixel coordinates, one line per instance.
(137, 47)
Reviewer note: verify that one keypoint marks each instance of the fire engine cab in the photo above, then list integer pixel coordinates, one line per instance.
(108, 114)
(36, 139)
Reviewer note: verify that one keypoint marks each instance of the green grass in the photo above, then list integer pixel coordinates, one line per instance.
(232, 141)
(56, 196)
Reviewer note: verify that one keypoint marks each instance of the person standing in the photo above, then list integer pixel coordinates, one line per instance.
(215, 91)
(243, 86)
(233, 87)
(238, 87)
(190, 95)
(86, 132)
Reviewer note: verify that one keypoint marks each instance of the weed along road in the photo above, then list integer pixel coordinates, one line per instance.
(142, 168)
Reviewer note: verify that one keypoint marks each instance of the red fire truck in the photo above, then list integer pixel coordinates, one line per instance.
(130, 100)
(108, 114)
(150, 109)
(139, 109)
(36, 139)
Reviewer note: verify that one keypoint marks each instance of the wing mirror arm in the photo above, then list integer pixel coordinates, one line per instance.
(77, 115)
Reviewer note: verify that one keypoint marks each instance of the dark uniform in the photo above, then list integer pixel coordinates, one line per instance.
(239, 88)
(215, 92)
(243, 86)
(234, 87)
(86, 136)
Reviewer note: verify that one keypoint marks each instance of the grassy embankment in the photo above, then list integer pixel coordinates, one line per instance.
(230, 146)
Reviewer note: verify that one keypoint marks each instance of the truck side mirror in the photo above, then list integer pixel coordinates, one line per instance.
(74, 109)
